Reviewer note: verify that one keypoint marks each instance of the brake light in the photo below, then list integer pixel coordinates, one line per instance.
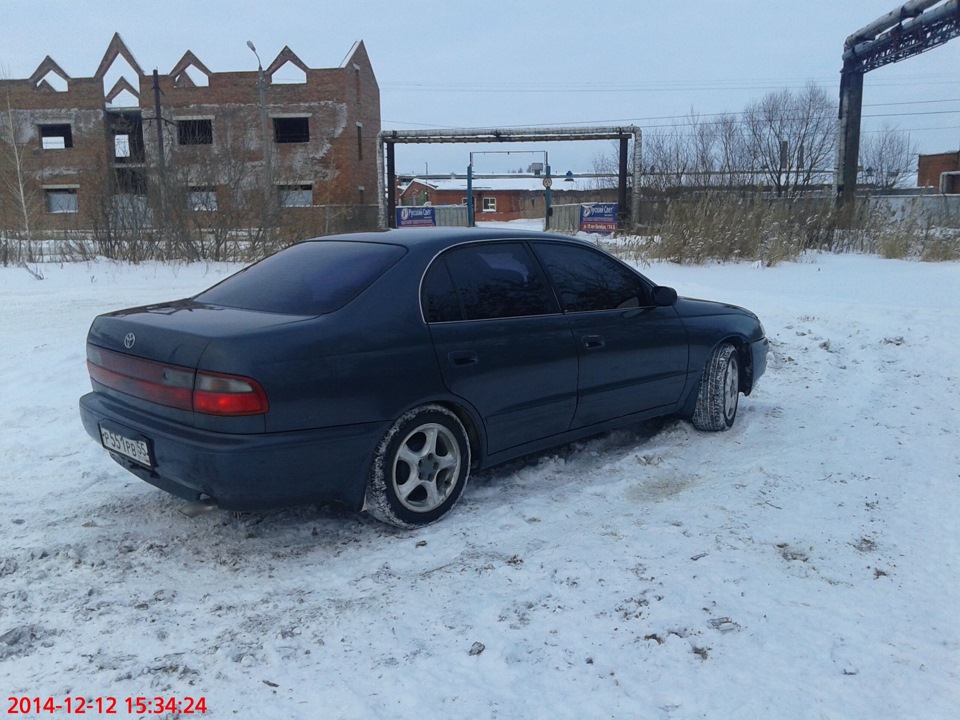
(218, 394)
(174, 386)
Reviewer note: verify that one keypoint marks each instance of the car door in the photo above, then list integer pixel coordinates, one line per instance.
(501, 341)
(633, 354)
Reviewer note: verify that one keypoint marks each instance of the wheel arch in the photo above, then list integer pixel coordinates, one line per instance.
(742, 346)
(471, 424)
(745, 363)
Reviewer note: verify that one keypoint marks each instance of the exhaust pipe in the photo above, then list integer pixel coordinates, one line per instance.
(199, 507)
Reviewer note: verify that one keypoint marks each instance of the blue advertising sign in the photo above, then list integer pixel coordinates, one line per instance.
(599, 217)
(416, 216)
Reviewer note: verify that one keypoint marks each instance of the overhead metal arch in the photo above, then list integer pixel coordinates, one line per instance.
(904, 32)
(387, 141)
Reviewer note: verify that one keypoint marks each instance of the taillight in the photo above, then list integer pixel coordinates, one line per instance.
(218, 394)
(174, 386)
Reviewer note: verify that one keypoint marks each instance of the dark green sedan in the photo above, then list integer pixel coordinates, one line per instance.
(378, 369)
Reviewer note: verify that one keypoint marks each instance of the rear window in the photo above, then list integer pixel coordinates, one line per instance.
(312, 278)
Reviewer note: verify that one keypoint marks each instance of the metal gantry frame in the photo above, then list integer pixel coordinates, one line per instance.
(902, 33)
(387, 141)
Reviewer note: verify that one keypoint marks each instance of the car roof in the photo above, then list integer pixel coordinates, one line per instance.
(434, 239)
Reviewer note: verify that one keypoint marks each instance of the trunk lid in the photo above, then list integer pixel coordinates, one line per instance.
(177, 332)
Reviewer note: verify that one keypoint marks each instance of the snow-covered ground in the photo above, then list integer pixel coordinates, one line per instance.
(802, 565)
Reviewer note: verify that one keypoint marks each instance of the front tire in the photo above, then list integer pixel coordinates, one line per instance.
(420, 468)
(719, 391)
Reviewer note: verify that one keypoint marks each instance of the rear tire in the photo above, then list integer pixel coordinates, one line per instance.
(420, 468)
(719, 391)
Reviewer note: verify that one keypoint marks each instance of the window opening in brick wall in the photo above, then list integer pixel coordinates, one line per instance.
(195, 132)
(126, 131)
(56, 136)
(295, 195)
(61, 201)
(359, 141)
(489, 204)
(202, 198)
(291, 130)
(121, 146)
(130, 181)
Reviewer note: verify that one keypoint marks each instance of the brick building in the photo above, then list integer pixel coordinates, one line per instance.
(504, 198)
(940, 171)
(277, 147)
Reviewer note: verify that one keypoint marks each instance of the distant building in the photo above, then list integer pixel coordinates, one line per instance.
(235, 144)
(940, 171)
(504, 198)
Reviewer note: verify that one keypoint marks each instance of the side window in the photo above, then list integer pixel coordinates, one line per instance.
(588, 280)
(440, 301)
(496, 280)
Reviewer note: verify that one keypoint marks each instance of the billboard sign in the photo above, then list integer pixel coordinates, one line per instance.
(599, 217)
(416, 216)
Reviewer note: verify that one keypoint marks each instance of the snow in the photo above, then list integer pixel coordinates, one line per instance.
(802, 565)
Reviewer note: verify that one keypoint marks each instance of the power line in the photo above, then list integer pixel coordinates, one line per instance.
(695, 119)
(648, 86)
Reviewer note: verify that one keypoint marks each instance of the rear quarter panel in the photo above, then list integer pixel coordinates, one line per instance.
(367, 362)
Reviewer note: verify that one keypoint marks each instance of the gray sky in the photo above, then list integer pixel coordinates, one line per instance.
(516, 63)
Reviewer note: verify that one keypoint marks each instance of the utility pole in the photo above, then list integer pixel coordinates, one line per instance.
(269, 191)
(161, 162)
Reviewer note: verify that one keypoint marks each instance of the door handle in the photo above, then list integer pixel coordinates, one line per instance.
(592, 342)
(459, 358)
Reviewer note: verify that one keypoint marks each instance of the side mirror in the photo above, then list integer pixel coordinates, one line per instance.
(663, 296)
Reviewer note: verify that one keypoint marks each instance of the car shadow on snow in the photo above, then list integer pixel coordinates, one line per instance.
(154, 513)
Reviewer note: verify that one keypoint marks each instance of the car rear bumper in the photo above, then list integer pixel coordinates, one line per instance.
(242, 472)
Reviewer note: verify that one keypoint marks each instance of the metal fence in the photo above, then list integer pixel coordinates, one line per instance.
(451, 215)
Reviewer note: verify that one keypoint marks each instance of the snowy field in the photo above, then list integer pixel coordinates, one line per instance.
(803, 565)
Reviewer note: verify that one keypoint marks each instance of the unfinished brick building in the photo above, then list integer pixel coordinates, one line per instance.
(191, 152)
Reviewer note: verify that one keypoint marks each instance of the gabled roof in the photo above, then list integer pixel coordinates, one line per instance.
(117, 48)
(118, 87)
(356, 54)
(45, 68)
(179, 73)
(286, 56)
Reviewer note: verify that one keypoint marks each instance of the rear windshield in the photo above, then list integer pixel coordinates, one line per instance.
(312, 278)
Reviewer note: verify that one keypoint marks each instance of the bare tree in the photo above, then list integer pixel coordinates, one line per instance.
(667, 160)
(733, 156)
(702, 138)
(214, 207)
(606, 163)
(888, 157)
(15, 175)
(791, 137)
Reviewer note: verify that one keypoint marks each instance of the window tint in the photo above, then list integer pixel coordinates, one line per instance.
(586, 279)
(494, 281)
(440, 301)
(311, 278)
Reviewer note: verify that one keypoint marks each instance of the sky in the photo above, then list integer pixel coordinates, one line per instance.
(517, 63)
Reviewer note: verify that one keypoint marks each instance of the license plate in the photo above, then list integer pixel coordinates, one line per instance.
(136, 450)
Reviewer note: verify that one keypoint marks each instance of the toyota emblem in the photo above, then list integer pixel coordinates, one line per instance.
(129, 340)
